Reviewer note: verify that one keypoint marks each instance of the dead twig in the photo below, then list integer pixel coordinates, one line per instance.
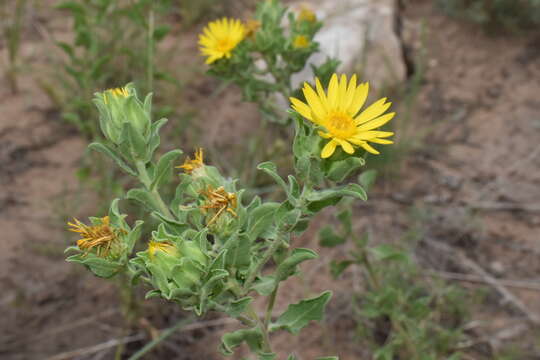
(497, 285)
(519, 284)
(128, 339)
(504, 206)
(96, 348)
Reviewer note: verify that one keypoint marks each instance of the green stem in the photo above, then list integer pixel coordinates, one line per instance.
(150, 59)
(267, 347)
(145, 179)
(262, 261)
(372, 275)
(270, 307)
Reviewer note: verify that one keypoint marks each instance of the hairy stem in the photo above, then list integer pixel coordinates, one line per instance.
(262, 261)
(145, 179)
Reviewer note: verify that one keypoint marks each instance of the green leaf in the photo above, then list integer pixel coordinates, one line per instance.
(238, 307)
(143, 197)
(261, 219)
(345, 217)
(155, 139)
(161, 31)
(338, 267)
(318, 200)
(289, 266)
(386, 252)
(252, 337)
(367, 178)
(136, 140)
(265, 285)
(328, 238)
(238, 251)
(328, 358)
(164, 168)
(111, 153)
(297, 316)
(100, 267)
(339, 170)
(271, 169)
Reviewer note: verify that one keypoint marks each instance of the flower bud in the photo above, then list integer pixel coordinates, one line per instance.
(176, 267)
(119, 106)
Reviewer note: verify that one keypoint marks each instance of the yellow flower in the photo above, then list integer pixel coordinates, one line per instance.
(220, 37)
(306, 14)
(301, 42)
(219, 201)
(154, 246)
(190, 165)
(337, 112)
(117, 92)
(100, 237)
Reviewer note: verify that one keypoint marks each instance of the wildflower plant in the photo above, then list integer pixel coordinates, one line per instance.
(210, 246)
(261, 55)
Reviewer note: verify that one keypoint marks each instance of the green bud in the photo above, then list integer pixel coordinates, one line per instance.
(119, 106)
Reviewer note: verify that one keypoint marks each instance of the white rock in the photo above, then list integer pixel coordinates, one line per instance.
(361, 34)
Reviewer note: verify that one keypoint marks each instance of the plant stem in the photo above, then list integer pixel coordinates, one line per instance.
(150, 48)
(262, 261)
(267, 347)
(270, 307)
(145, 179)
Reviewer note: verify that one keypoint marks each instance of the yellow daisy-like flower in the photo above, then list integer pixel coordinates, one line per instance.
(220, 37)
(337, 112)
(300, 42)
(190, 165)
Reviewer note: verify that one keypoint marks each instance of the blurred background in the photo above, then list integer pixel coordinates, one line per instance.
(458, 194)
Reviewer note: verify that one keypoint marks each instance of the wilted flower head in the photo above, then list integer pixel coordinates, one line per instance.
(191, 165)
(101, 239)
(220, 37)
(337, 113)
(219, 201)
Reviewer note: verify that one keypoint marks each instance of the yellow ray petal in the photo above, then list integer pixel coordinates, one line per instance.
(333, 92)
(378, 122)
(324, 135)
(367, 135)
(328, 149)
(359, 98)
(321, 93)
(342, 92)
(374, 110)
(302, 108)
(347, 147)
(351, 89)
(381, 141)
(370, 149)
(313, 101)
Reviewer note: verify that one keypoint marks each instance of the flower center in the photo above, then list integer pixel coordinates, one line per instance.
(340, 125)
(224, 45)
